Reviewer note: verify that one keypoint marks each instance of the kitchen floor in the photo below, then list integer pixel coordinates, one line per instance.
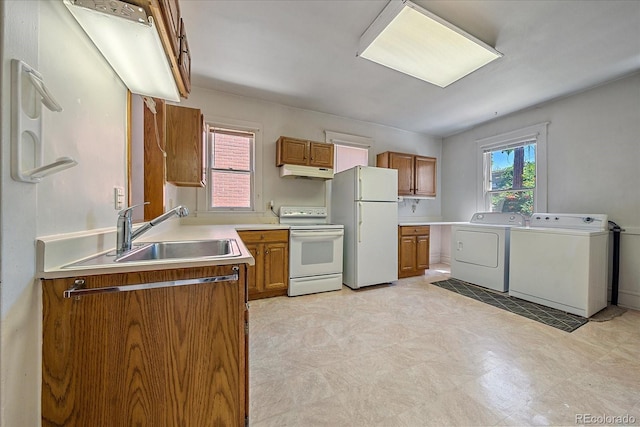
(413, 354)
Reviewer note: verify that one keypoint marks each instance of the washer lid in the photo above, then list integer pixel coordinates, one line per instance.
(498, 218)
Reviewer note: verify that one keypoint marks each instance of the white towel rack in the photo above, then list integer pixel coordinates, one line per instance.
(28, 94)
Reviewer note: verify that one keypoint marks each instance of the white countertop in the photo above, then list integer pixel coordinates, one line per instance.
(53, 253)
(434, 223)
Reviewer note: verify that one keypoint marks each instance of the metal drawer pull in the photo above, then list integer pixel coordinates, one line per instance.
(78, 290)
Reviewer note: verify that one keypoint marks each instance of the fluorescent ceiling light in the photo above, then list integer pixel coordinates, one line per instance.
(412, 40)
(129, 41)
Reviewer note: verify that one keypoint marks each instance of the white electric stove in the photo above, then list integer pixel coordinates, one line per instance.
(315, 250)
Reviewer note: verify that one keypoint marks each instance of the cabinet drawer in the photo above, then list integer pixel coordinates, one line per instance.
(419, 230)
(259, 236)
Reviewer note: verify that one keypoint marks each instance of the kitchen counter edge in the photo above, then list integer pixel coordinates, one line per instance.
(55, 252)
(434, 223)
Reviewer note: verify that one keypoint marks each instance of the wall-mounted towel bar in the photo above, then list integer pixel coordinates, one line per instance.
(28, 95)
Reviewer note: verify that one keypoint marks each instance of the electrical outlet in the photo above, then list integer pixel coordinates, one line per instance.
(270, 204)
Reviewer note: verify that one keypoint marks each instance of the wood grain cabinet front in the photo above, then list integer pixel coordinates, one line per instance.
(181, 133)
(416, 174)
(269, 277)
(293, 151)
(166, 356)
(413, 250)
(185, 137)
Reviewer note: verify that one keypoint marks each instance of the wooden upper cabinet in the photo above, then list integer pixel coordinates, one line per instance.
(291, 151)
(184, 58)
(154, 164)
(404, 164)
(425, 176)
(294, 151)
(321, 154)
(171, 16)
(185, 146)
(416, 174)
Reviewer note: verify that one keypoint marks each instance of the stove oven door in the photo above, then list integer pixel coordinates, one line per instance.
(315, 252)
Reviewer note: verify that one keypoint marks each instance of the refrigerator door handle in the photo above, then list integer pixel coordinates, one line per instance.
(359, 222)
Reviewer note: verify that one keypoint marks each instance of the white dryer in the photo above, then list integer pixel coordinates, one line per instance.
(480, 249)
(561, 261)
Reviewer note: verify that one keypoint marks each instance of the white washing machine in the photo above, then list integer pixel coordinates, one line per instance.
(560, 261)
(480, 249)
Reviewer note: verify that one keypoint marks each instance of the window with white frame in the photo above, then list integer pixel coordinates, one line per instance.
(231, 169)
(348, 150)
(348, 156)
(513, 171)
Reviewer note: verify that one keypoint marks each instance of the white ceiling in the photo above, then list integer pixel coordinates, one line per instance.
(301, 53)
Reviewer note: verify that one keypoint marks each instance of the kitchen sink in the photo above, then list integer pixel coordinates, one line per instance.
(174, 250)
(186, 249)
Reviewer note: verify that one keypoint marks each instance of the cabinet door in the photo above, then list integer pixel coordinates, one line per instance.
(155, 357)
(292, 151)
(255, 272)
(425, 176)
(184, 58)
(171, 16)
(321, 155)
(154, 161)
(422, 252)
(407, 258)
(404, 164)
(184, 146)
(276, 266)
(269, 276)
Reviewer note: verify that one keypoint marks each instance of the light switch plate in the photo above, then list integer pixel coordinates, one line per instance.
(118, 198)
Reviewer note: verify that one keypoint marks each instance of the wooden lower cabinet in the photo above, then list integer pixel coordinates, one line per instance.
(269, 277)
(171, 356)
(413, 250)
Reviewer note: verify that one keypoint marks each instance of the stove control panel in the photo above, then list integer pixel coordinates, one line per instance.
(303, 212)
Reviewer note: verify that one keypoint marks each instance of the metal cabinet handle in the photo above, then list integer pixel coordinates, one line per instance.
(78, 289)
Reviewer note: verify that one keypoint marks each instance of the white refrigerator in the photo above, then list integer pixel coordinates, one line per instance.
(365, 200)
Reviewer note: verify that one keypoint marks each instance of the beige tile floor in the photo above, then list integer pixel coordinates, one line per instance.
(413, 354)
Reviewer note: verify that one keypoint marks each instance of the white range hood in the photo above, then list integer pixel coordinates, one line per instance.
(312, 172)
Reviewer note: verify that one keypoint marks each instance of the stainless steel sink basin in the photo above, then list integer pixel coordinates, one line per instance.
(186, 249)
(158, 251)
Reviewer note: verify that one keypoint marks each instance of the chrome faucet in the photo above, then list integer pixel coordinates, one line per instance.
(125, 234)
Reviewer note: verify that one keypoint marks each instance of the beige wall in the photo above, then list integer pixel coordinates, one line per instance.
(593, 153)
(91, 128)
(276, 120)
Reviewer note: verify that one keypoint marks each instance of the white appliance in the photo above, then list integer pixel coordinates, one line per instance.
(315, 250)
(365, 200)
(312, 172)
(480, 249)
(561, 261)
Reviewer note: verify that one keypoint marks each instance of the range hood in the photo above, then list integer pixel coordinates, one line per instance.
(297, 171)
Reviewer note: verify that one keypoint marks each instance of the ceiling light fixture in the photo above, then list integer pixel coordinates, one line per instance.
(414, 41)
(130, 43)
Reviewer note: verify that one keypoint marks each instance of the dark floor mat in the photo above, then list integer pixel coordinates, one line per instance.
(549, 316)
